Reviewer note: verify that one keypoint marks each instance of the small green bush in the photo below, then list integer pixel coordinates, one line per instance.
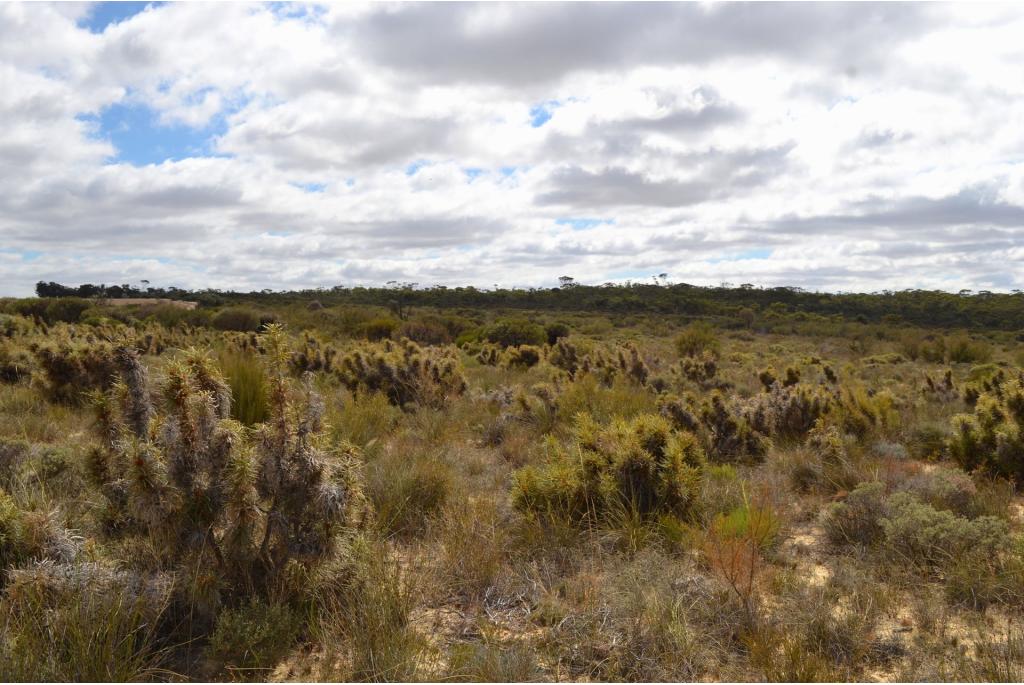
(556, 331)
(250, 640)
(640, 464)
(514, 332)
(379, 329)
(697, 338)
(236, 319)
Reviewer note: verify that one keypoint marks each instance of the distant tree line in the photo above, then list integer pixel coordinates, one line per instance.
(932, 308)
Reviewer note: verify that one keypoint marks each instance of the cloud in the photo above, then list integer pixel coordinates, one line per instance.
(847, 146)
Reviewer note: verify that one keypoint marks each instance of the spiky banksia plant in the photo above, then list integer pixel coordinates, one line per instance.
(641, 463)
(236, 512)
(992, 438)
(404, 372)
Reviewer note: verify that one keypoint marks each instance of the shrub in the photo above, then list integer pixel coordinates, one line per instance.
(857, 520)
(945, 489)
(236, 518)
(15, 363)
(514, 332)
(640, 464)
(962, 349)
(250, 640)
(423, 332)
(313, 356)
(556, 331)
(379, 329)
(788, 412)
(74, 367)
(237, 319)
(523, 356)
(921, 534)
(697, 338)
(728, 434)
(405, 373)
(992, 438)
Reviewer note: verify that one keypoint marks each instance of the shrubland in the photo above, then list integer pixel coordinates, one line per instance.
(399, 491)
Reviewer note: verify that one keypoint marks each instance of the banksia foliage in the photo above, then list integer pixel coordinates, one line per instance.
(992, 438)
(565, 356)
(641, 464)
(788, 412)
(72, 367)
(729, 436)
(943, 390)
(523, 356)
(405, 373)
(489, 355)
(312, 356)
(700, 370)
(232, 513)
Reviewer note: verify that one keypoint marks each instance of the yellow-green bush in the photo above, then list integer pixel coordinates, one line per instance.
(640, 463)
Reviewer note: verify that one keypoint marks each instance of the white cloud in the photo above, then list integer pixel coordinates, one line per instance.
(831, 146)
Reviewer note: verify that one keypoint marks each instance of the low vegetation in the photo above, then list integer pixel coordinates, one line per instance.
(354, 489)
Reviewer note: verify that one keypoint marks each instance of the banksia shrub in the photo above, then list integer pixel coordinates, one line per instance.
(523, 356)
(697, 338)
(72, 367)
(992, 438)
(405, 373)
(943, 390)
(566, 356)
(632, 365)
(237, 319)
(640, 464)
(489, 355)
(312, 356)
(730, 436)
(699, 370)
(234, 515)
(556, 331)
(15, 363)
(788, 412)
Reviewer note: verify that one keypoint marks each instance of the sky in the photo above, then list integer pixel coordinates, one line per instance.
(834, 147)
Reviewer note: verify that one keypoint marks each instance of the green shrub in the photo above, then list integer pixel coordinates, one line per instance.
(640, 464)
(992, 438)
(697, 338)
(858, 519)
(962, 349)
(379, 329)
(556, 331)
(515, 332)
(250, 640)
(237, 319)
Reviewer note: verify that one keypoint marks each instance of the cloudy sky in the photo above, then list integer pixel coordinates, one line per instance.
(247, 146)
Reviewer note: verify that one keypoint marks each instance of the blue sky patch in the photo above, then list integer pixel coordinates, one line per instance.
(311, 187)
(473, 173)
(541, 113)
(103, 14)
(135, 130)
(582, 224)
(416, 166)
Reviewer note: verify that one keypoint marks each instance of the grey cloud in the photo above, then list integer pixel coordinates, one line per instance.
(715, 175)
(545, 41)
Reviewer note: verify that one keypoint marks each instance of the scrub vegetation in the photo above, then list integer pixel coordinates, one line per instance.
(392, 485)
